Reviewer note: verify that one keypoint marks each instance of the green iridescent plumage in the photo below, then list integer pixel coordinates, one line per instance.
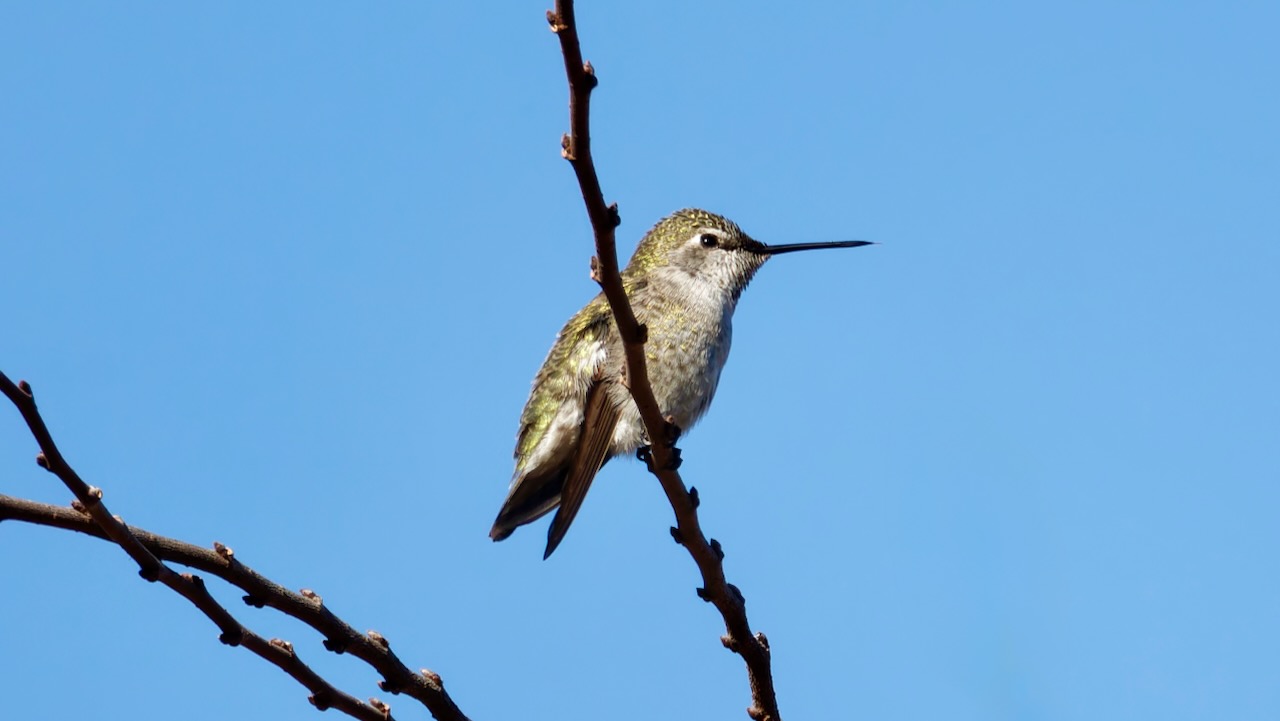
(560, 373)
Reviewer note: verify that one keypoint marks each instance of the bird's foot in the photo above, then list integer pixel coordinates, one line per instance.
(676, 460)
(670, 434)
(645, 454)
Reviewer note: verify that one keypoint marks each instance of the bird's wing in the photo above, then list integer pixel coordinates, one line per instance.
(599, 420)
(552, 418)
(568, 373)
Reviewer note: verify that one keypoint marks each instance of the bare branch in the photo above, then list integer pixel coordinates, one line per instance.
(150, 551)
(663, 457)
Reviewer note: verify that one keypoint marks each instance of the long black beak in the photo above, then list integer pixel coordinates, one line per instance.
(793, 247)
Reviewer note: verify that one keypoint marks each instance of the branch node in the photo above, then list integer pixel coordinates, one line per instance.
(614, 219)
(224, 551)
(693, 496)
(595, 270)
(283, 645)
(312, 596)
(320, 701)
(254, 601)
(230, 639)
(555, 23)
(737, 595)
(677, 535)
(703, 594)
(716, 549)
(763, 639)
(379, 639)
(380, 707)
(151, 574)
(390, 687)
(589, 76)
(566, 148)
(642, 333)
(757, 714)
(432, 678)
(25, 387)
(79, 507)
(729, 642)
(42, 460)
(338, 647)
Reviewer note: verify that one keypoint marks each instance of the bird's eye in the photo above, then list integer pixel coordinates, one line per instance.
(709, 241)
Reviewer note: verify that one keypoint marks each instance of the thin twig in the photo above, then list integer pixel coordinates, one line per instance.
(150, 551)
(663, 459)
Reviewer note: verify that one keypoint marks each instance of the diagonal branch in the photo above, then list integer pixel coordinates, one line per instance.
(150, 551)
(276, 651)
(662, 458)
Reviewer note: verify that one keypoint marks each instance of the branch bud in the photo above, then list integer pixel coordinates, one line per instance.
(320, 701)
(380, 707)
(764, 640)
(737, 595)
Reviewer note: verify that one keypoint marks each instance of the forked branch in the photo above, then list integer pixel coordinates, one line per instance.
(663, 458)
(89, 515)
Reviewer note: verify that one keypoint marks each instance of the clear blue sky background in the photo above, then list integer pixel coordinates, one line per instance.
(281, 275)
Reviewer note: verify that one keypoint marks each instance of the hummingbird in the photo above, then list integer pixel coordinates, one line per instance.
(683, 281)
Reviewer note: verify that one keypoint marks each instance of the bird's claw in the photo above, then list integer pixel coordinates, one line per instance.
(676, 460)
(645, 455)
(671, 432)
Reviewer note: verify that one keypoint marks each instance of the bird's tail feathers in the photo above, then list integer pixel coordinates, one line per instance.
(530, 499)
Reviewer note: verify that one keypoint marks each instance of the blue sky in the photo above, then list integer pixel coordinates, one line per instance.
(281, 275)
